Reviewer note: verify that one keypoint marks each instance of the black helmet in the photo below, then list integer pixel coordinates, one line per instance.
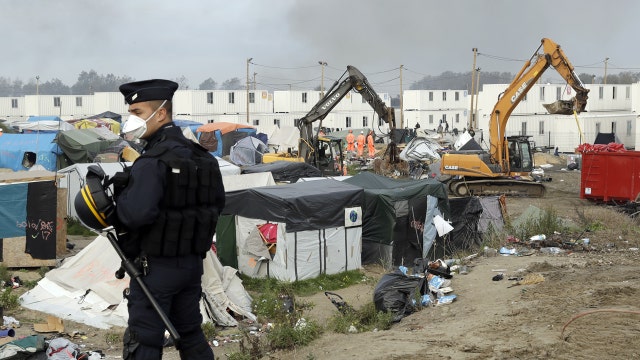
(94, 206)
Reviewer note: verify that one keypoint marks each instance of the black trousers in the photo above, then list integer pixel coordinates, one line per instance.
(176, 284)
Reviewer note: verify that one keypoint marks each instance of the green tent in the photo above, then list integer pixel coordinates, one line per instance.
(82, 145)
(396, 223)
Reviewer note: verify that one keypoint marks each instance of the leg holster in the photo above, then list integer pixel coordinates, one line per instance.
(130, 344)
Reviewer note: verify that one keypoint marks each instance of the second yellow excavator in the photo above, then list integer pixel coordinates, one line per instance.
(505, 168)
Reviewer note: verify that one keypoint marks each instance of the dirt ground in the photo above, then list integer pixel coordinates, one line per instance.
(596, 287)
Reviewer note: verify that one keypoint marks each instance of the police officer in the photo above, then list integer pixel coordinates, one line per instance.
(168, 211)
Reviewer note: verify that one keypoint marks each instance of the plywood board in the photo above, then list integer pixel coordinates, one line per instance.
(61, 223)
(13, 255)
(13, 249)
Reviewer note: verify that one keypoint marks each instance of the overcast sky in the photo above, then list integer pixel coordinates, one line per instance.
(199, 39)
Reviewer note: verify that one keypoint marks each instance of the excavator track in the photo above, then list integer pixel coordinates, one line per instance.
(509, 187)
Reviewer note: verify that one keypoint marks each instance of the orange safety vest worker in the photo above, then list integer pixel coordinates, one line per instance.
(372, 149)
(360, 142)
(351, 139)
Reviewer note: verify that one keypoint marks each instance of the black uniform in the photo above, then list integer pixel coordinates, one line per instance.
(170, 224)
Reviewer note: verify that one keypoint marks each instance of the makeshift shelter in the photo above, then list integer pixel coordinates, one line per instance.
(22, 151)
(284, 138)
(284, 171)
(226, 249)
(83, 145)
(44, 126)
(43, 118)
(248, 151)
(93, 123)
(473, 217)
(465, 234)
(74, 177)
(108, 115)
(398, 218)
(32, 226)
(192, 125)
(315, 228)
(492, 218)
(84, 289)
(220, 136)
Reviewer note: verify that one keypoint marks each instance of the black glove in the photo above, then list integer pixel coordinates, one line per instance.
(120, 180)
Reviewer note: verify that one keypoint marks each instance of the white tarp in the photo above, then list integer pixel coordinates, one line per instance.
(299, 255)
(84, 289)
(227, 168)
(247, 181)
(284, 138)
(462, 139)
(188, 133)
(420, 149)
(339, 178)
(43, 125)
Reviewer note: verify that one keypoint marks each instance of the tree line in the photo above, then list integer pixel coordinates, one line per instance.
(90, 82)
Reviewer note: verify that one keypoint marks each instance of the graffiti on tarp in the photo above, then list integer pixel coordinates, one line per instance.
(39, 228)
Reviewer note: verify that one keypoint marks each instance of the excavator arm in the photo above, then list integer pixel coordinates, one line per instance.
(552, 55)
(355, 81)
(506, 167)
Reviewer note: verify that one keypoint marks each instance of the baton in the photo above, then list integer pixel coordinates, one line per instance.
(135, 274)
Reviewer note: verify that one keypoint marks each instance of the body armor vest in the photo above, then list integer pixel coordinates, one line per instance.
(188, 214)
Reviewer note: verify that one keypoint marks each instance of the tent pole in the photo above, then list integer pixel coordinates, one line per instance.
(295, 254)
(320, 254)
(346, 254)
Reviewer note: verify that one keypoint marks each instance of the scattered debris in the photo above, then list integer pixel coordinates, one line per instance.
(529, 279)
(54, 324)
(339, 303)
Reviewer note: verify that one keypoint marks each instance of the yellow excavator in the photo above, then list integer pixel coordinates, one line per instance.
(505, 168)
(324, 151)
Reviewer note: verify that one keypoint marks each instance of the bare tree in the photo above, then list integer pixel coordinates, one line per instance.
(232, 84)
(183, 83)
(208, 84)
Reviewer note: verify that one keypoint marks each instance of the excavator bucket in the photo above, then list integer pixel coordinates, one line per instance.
(392, 153)
(561, 107)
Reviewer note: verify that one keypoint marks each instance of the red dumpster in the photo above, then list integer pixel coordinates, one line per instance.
(610, 176)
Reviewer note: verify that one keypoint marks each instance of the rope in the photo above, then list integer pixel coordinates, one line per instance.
(593, 312)
(575, 114)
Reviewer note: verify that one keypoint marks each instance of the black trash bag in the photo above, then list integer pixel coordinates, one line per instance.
(395, 293)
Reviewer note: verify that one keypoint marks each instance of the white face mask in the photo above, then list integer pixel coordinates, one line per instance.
(135, 127)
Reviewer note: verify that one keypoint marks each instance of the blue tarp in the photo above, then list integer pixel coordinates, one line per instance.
(43, 118)
(13, 210)
(193, 125)
(14, 146)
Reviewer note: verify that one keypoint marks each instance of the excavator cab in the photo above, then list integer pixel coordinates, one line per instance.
(519, 154)
(329, 155)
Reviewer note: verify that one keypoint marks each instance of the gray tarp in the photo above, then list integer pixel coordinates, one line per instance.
(284, 170)
(301, 206)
